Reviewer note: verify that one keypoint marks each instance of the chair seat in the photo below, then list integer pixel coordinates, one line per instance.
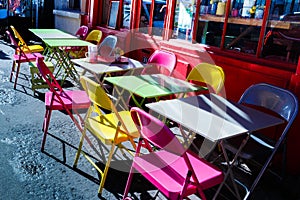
(168, 175)
(106, 129)
(33, 48)
(72, 100)
(29, 57)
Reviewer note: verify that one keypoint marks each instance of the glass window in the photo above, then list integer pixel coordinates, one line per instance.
(184, 19)
(158, 16)
(282, 39)
(126, 13)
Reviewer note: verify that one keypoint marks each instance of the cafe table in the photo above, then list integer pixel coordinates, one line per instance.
(215, 118)
(56, 50)
(102, 67)
(150, 86)
(51, 34)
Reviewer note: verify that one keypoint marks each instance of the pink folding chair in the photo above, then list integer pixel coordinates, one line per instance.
(165, 62)
(58, 99)
(82, 32)
(19, 57)
(173, 170)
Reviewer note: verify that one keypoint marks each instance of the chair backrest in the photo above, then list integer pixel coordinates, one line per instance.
(156, 132)
(22, 42)
(107, 46)
(276, 99)
(211, 75)
(96, 93)
(94, 36)
(165, 60)
(82, 32)
(48, 76)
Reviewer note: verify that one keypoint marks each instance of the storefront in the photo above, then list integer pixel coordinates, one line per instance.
(253, 41)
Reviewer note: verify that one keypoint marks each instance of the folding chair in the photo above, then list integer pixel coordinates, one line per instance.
(173, 170)
(58, 99)
(26, 48)
(79, 52)
(19, 57)
(111, 129)
(107, 46)
(211, 75)
(164, 61)
(262, 147)
(82, 32)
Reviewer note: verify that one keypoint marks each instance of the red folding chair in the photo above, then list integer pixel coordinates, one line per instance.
(59, 99)
(173, 170)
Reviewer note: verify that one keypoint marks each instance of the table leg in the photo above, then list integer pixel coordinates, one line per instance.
(230, 164)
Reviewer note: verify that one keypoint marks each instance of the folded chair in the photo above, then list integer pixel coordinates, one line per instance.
(58, 99)
(111, 129)
(19, 57)
(26, 48)
(262, 147)
(164, 61)
(173, 170)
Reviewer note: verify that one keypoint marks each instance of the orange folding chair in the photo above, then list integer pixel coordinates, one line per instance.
(58, 99)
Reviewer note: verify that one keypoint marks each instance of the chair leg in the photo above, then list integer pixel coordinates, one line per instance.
(128, 184)
(103, 178)
(17, 74)
(79, 147)
(12, 71)
(45, 127)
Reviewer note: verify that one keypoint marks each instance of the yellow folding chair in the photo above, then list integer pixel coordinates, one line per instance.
(111, 129)
(211, 76)
(94, 37)
(26, 48)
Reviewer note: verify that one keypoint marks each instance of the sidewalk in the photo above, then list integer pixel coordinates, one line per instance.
(27, 173)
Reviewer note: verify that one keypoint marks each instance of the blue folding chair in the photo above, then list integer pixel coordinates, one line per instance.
(262, 147)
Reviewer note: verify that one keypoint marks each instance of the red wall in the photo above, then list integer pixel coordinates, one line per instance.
(239, 72)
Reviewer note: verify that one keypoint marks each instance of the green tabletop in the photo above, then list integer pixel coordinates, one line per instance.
(51, 34)
(66, 43)
(155, 85)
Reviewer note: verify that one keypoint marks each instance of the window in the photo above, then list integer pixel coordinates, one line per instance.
(184, 19)
(126, 13)
(157, 16)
